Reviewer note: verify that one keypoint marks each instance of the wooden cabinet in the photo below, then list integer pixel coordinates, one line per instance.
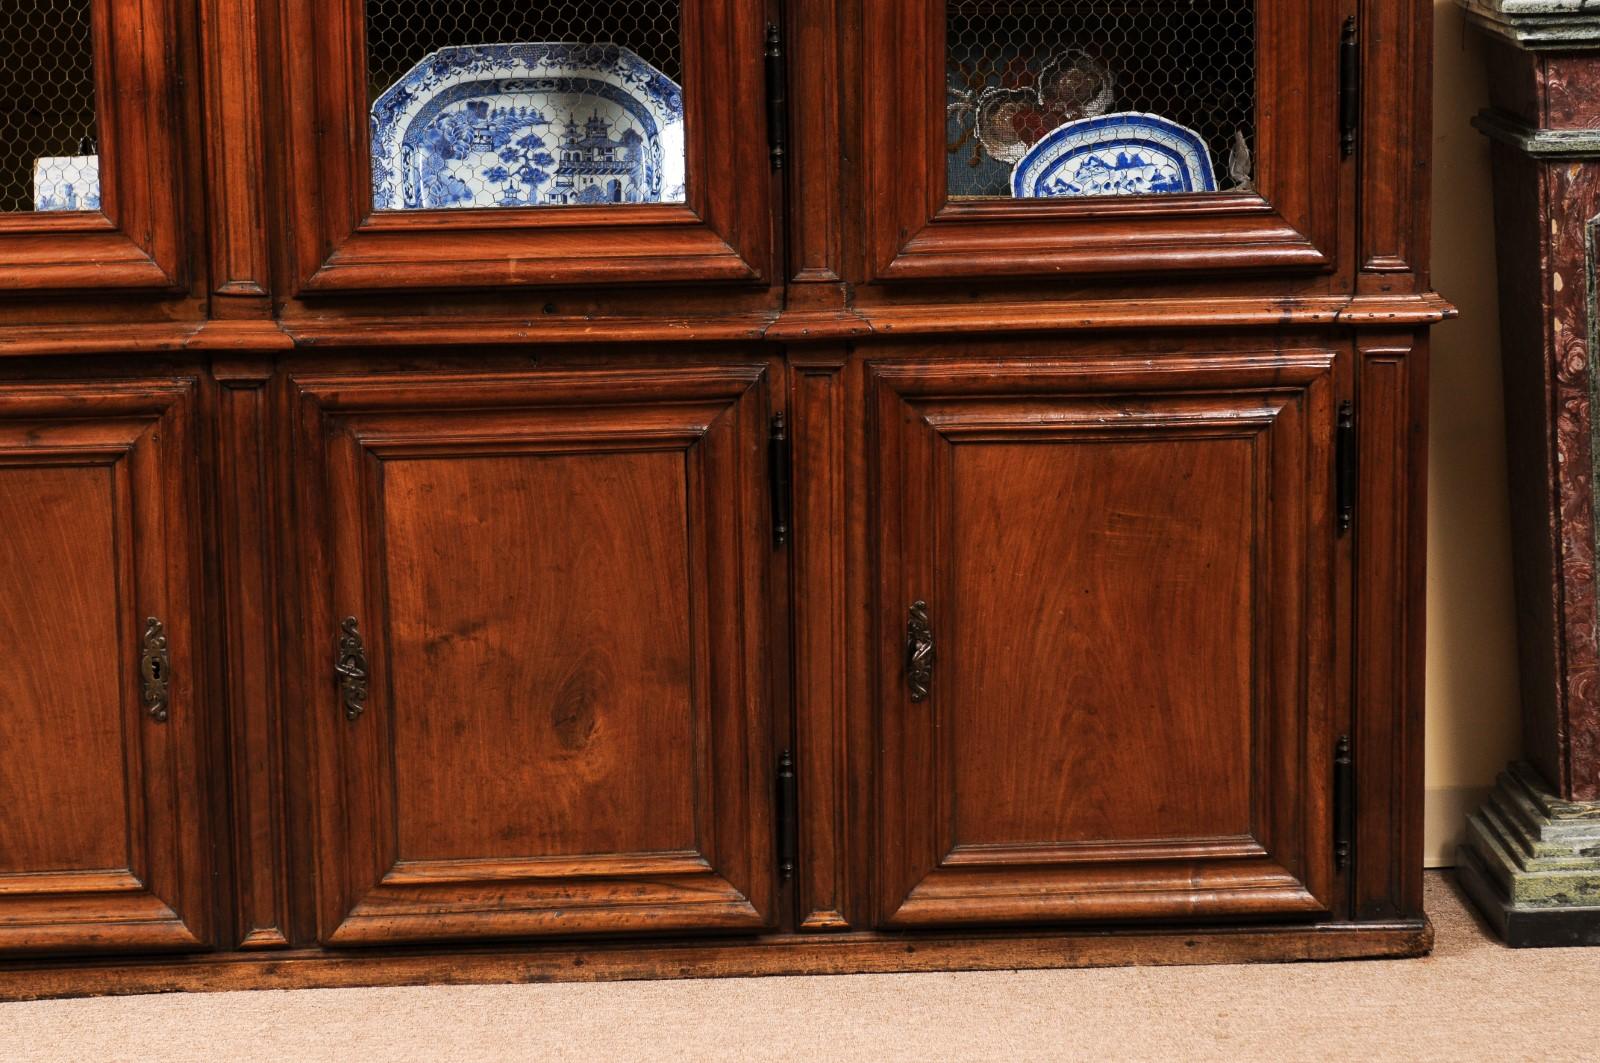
(554, 691)
(1106, 656)
(104, 706)
(690, 503)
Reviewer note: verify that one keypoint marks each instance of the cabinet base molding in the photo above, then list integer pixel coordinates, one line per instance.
(784, 955)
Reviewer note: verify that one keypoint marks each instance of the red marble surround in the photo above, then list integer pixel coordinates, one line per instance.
(1544, 207)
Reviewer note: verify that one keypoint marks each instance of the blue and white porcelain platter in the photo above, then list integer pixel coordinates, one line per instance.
(523, 125)
(1123, 154)
(66, 182)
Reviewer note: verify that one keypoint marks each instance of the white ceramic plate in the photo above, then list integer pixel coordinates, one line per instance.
(517, 125)
(1123, 154)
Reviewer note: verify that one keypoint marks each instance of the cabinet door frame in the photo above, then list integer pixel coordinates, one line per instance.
(346, 425)
(914, 233)
(723, 233)
(136, 240)
(1284, 866)
(142, 431)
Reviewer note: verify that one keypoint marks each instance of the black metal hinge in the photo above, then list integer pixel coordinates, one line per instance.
(1349, 86)
(788, 827)
(1344, 801)
(1345, 447)
(778, 476)
(777, 97)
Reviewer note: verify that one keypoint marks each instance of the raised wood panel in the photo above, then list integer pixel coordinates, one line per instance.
(815, 162)
(1102, 577)
(1394, 143)
(817, 407)
(1127, 571)
(251, 585)
(62, 527)
(589, 661)
(101, 831)
(560, 581)
(231, 35)
(1389, 631)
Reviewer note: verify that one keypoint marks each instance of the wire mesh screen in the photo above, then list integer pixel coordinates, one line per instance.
(1099, 97)
(48, 159)
(519, 103)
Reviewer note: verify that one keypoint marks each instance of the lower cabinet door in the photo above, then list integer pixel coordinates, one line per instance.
(536, 631)
(1105, 625)
(101, 843)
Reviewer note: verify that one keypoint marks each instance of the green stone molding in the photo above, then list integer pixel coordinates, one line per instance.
(1543, 143)
(1531, 861)
(1539, 25)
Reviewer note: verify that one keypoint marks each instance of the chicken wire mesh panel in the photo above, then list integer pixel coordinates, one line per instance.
(517, 103)
(1099, 97)
(48, 160)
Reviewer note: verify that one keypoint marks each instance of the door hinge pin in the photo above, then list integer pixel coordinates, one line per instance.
(788, 827)
(778, 458)
(777, 97)
(1346, 448)
(1349, 86)
(1343, 802)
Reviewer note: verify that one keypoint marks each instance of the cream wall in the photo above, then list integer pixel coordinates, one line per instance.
(1472, 670)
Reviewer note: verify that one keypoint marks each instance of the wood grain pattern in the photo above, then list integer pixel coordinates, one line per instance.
(1045, 510)
(235, 116)
(1389, 626)
(817, 408)
(65, 533)
(101, 844)
(1395, 155)
(808, 954)
(816, 266)
(527, 450)
(593, 655)
(250, 586)
(557, 595)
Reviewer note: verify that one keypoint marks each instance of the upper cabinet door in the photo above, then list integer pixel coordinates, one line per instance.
(440, 144)
(89, 146)
(1061, 137)
(549, 711)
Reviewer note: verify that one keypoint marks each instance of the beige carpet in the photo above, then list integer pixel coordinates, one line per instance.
(1471, 1000)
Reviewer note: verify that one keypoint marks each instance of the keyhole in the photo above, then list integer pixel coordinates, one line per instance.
(155, 669)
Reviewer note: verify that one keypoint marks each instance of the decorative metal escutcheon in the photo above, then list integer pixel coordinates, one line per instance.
(155, 670)
(351, 668)
(919, 651)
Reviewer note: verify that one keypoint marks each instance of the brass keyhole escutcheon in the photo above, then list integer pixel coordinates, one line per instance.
(155, 670)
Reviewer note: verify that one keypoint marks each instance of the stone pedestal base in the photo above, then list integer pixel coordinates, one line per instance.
(1531, 862)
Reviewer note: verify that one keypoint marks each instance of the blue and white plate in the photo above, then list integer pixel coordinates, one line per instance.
(1124, 154)
(66, 182)
(524, 125)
